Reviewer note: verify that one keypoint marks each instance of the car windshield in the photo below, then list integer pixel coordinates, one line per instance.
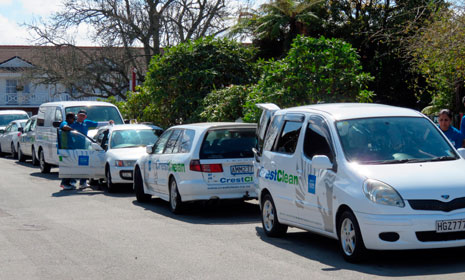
(392, 140)
(229, 143)
(98, 113)
(6, 119)
(134, 138)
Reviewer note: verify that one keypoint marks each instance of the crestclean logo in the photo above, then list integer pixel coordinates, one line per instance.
(279, 176)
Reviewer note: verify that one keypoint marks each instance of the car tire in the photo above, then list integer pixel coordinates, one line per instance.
(110, 186)
(1, 153)
(21, 156)
(35, 161)
(270, 223)
(139, 188)
(350, 238)
(44, 167)
(14, 153)
(175, 198)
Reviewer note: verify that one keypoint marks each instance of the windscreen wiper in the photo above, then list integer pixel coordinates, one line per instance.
(443, 158)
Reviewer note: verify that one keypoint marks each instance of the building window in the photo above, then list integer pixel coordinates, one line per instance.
(11, 86)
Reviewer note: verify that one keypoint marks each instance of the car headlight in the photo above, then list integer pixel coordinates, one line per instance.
(382, 193)
(124, 163)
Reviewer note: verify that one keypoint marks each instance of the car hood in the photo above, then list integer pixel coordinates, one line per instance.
(428, 180)
(127, 153)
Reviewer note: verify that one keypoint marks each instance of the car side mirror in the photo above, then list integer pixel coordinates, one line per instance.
(149, 149)
(56, 124)
(321, 162)
(96, 147)
(257, 155)
(461, 152)
(2, 131)
(20, 129)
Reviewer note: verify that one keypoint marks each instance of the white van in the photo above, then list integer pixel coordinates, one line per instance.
(50, 116)
(372, 176)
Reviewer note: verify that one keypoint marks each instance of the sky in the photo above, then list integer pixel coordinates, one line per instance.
(14, 13)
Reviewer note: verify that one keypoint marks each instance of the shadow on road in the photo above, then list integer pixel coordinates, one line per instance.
(49, 176)
(378, 263)
(218, 212)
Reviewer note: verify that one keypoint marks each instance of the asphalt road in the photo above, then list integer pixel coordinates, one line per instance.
(48, 233)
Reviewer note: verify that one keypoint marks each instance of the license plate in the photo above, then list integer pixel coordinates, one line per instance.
(450, 225)
(241, 169)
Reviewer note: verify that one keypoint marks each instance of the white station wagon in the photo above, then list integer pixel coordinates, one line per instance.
(198, 162)
(372, 176)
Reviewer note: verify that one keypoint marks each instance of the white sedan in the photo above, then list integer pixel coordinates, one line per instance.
(9, 137)
(198, 162)
(110, 155)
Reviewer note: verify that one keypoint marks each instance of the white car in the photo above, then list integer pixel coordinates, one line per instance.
(372, 176)
(198, 162)
(111, 155)
(9, 137)
(6, 116)
(124, 144)
(27, 141)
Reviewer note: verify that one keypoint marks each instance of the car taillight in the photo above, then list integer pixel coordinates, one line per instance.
(208, 168)
(19, 134)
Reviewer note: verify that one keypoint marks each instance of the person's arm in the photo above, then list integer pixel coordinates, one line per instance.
(65, 127)
(91, 124)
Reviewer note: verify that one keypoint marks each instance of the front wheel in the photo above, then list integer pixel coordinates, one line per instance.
(175, 198)
(110, 185)
(14, 153)
(35, 161)
(350, 238)
(44, 167)
(21, 156)
(271, 225)
(139, 188)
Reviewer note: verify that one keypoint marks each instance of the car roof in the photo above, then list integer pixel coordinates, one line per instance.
(129, 126)
(343, 111)
(10, 112)
(207, 125)
(77, 103)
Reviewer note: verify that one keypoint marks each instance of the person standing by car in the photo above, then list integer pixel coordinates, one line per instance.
(454, 135)
(462, 123)
(82, 124)
(67, 142)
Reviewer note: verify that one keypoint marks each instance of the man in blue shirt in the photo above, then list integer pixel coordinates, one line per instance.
(67, 142)
(454, 135)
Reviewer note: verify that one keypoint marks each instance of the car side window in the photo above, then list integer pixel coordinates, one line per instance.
(287, 141)
(58, 115)
(185, 143)
(171, 144)
(317, 139)
(160, 145)
(33, 125)
(273, 131)
(27, 127)
(14, 127)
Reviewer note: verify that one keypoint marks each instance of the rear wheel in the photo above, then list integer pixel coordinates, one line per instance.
(271, 225)
(175, 197)
(139, 188)
(14, 153)
(44, 167)
(21, 156)
(110, 185)
(350, 238)
(35, 161)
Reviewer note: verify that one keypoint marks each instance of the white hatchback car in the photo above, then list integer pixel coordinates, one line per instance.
(124, 144)
(111, 155)
(198, 162)
(372, 176)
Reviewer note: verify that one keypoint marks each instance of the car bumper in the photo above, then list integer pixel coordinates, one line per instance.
(414, 231)
(122, 175)
(198, 190)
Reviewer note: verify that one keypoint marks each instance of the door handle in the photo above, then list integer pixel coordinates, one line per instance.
(273, 163)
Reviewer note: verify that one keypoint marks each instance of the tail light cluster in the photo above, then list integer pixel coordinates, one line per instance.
(195, 165)
(19, 134)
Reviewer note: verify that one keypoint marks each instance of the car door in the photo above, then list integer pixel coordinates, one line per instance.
(9, 132)
(164, 161)
(24, 140)
(318, 183)
(151, 168)
(3, 139)
(79, 156)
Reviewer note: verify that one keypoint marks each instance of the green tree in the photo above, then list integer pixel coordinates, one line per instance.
(179, 80)
(438, 50)
(315, 70)
(225, 104)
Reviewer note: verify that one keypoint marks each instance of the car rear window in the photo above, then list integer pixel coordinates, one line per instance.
(228, 143)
